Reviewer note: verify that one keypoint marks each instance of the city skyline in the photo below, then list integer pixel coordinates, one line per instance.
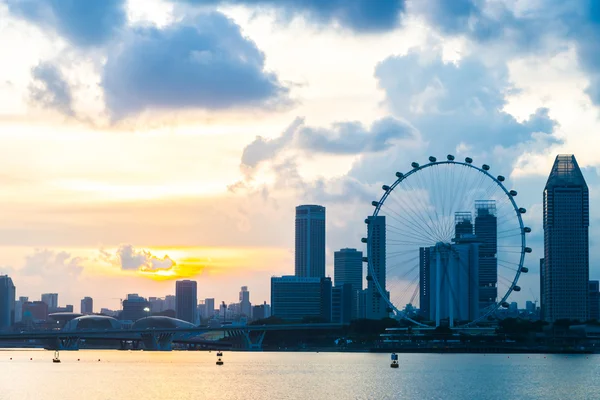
(130, 191)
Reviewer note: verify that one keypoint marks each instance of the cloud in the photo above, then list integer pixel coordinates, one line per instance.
(451, 103)
(45, 263)
(358, 15)
(83, 23)
(342, 138)
(128, 258)
(50, 89)
(205, 63)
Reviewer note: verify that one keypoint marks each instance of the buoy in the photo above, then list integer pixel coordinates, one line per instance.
(219, 362)
(56, 358)
(394, 363)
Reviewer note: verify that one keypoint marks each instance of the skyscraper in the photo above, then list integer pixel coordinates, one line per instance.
(348, 270)
(51, 299)
(486, 230)
(245, 305)
(7, 302)
(594, 300)
(186, 293)
(87, 305)
(566, 242)
(377, 306)
(310, 241)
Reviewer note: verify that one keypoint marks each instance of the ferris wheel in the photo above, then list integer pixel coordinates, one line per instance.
(445, 245)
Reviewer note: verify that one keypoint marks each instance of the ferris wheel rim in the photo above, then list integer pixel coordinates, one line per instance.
(450, 161)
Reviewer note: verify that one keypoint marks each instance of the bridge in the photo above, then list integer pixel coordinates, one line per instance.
(162, 339)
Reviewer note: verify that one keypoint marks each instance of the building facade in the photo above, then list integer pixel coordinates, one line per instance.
(486, 231)
(87, 306)
(296, 298)
(7, 302)
(348, 269)
(310, 241)
(186, 295)
(376, 305)
(245, 305)
(51, 299)
(134, 308)
(566, 242)
(594, 300)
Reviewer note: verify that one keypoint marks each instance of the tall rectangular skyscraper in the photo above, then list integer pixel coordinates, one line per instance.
(87, 305)
(566, 242)
(245, 305)
(348, 270)
(7, 302)
(310, 241)
(186, 297)
(377, 306)
(51, 299)
(486, 231)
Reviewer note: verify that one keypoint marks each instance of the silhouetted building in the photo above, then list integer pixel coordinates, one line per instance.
(261, 311)
(170, 302)
(209, 304)
(348, 269)
(7, 302)
(87, 306)
(566, 242)
(134, 308)
(295, 298)
(342, 298)
(362, 304)
(245, 305)
(377, 306)
(463, 224)
(51, 299)
(310, 241)
(594, 300)
(542, 269)
(19, 308)
(530, 306)
(486, 231)
(35, 311)
(449, 281)
(186, 293)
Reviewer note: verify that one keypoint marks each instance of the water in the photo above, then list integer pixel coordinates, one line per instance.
(194, 375)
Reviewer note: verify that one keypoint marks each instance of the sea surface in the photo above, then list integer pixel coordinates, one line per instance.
(112, 374)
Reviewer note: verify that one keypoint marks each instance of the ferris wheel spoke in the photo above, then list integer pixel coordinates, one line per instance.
(419, 214)
(417, 232)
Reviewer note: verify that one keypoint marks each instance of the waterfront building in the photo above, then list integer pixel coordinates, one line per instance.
(209, 305)
(376, 305)
(342, 307)
(87, 306)
(51, 299)
(7, 302)
(594, 300)
(486, 231)
(186, 294)
(310, 241)
(170, 303)
(245, 305)
(566, 242)
(295, 298)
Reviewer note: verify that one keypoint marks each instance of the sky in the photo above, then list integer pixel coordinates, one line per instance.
(145, 141)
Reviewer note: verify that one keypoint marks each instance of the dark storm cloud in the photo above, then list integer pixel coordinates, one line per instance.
(205, 63)
(357, 15)
(83, 23)
(50, 90)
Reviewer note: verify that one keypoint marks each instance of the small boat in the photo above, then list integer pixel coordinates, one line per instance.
(219, 354)
(56, 359)
(219, 362)
(394, 363)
